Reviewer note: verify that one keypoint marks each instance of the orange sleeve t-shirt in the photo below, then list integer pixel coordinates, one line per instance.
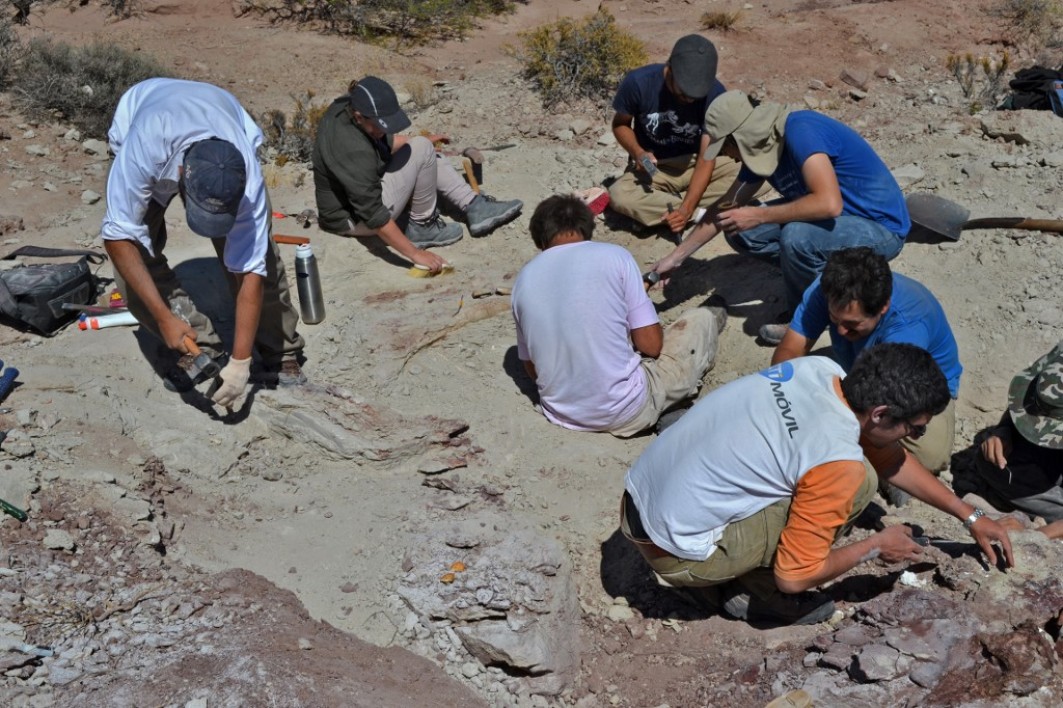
(821, 505)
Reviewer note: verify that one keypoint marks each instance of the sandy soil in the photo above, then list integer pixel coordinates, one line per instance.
(257, 494)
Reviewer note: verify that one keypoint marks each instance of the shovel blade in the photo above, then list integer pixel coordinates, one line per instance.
(937, 215)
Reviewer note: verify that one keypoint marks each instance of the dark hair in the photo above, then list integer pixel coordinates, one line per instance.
(559, 214)
(857, 274)
(902, 376)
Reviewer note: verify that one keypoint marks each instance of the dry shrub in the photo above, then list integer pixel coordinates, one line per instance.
(81, 85)
(422, 93)
(572, 59)
(723, 21)
(413, 21)
(981, 78)
(1036, 23)
(293, 138)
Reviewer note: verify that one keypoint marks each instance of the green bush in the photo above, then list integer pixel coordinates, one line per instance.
(415, 21)
(571, 59)
(81, 85)
(294, 139)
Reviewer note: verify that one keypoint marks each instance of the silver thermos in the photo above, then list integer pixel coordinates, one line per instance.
(311, 300)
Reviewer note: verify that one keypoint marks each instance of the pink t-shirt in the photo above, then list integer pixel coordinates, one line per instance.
(575, 306)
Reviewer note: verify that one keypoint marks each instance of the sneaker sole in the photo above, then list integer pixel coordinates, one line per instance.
(492, 224)
(437, 244)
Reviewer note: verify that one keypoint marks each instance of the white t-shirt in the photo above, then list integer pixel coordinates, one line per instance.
(575, 306)
(154, 125)
(740, 449)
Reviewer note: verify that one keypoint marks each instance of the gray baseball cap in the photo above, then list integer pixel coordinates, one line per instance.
(693, 66)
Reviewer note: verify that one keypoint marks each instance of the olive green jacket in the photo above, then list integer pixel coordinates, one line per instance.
(348, 166)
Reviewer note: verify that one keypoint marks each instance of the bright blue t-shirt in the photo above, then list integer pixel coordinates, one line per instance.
(867, 186)
(663, 125)
(914, 317)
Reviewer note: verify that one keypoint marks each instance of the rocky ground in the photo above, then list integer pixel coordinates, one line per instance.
(407, 528)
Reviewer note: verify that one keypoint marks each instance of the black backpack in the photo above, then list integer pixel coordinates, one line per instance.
(1033, 88)
(32, 296)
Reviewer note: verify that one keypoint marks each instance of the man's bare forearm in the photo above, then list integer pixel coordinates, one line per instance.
(249, 289)
(126, 258)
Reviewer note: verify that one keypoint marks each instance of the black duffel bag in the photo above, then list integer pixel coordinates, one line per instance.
(32, 296)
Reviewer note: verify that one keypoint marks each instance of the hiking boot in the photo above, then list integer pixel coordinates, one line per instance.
(773, 333)
(780, 608)
(286, 373)
(669, 418)
(704, 598)
(485, 213)
(718, 307)
(432, 232)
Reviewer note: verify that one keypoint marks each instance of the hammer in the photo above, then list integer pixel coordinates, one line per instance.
(202, 366)
(473, 162)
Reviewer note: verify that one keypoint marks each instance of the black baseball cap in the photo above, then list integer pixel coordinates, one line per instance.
(214, 179)
(374, 98)
(693, 66)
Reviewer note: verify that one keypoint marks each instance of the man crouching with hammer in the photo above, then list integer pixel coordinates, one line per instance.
(174, 137)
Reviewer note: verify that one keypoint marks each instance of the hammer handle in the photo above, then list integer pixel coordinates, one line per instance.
(192, 347)
(291, 240)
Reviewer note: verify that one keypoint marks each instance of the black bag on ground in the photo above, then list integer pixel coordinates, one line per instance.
(32, 296)
(1032, 88)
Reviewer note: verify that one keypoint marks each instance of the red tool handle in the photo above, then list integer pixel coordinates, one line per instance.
(291, 240)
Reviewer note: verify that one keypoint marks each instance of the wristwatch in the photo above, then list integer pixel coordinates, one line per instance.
(975, 516)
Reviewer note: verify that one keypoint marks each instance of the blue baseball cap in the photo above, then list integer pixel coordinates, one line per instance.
(214, 179)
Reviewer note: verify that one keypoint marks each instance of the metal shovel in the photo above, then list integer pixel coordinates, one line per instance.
(948, 219)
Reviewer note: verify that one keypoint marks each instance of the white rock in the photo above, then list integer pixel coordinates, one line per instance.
(470, 669)
(59, 540)
(94, 147)
(619, 613)
(90, 197)
(37, 150)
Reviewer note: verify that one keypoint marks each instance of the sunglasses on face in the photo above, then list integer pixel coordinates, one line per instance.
(915, 431)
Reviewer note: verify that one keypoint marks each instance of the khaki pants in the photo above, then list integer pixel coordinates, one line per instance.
(746, 550)
(688, 352)
(276, 338)
(416, 176)
(645, 201)
(934, 449)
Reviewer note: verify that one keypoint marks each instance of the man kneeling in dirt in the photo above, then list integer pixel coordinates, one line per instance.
(168, 137)
(862, 303)
(660, 109)
(589, 336)
(742, 499)
(1022, 458)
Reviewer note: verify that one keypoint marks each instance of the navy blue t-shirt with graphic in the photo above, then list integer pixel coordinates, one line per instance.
(663, 125)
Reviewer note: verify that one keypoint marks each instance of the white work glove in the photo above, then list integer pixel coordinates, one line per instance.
(233, 382)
